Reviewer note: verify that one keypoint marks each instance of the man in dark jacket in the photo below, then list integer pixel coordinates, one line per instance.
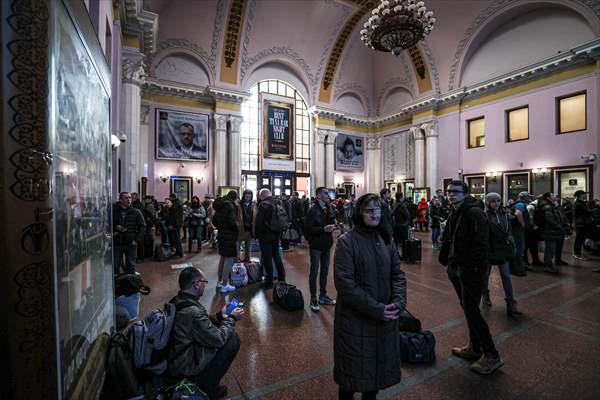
(320, 224)
(401, 218)
(464, 251)
(298, 216)
(248, 208)
(268, 239)
(551, 230)
(174, 224)
(201, 347)
(581, 216)
(128, 230)
(386, 211)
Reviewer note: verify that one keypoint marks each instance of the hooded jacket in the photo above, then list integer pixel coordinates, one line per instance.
(226, 221)
(465, 242)
(551, 228)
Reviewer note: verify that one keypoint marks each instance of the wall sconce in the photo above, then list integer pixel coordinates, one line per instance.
(538, 171)
(163, 178)
(199, 179)
(492, 174)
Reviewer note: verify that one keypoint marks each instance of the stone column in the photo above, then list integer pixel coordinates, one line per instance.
(330, 160)
(145, 154)
(431, 136)
(419, 156)
(235, 172)
(220, 152)
(374, 182)
(318, 172)
(133, 78)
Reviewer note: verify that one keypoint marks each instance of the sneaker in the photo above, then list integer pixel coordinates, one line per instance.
(486, 364)
(314, 305)
(579, 257)
(219, 285)
(326, 301)
(227, 288)
(467, 352)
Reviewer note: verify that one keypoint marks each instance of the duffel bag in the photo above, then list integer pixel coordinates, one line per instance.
(417, 347)
(164, 252)
(239, 276)
(288, 297)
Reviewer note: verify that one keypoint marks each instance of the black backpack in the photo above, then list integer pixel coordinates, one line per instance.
(539, 215)
(288, 297)
(279, 217)
(122, 380)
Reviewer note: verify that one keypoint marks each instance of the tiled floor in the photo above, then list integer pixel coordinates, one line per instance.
(553, 352)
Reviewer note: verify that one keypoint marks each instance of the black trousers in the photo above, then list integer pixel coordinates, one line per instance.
(175, 241)
(269, 255)
(348, 395)
(579, 240)
(531, 241)
(208, 380)
(468, 288)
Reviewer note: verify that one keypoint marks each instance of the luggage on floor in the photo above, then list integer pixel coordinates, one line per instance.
(411, 251)
(417, 347)
(288, 297)
(408, 322)
(122, 381)
(239, 275)
(254, 246)
(131, 303)
(148, 245)
(164, 251)
(254, 271)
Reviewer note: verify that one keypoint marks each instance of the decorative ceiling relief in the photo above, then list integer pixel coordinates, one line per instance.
(247, 31)
(280, 51)
(421, 69)
(432, 66)
(231, 44)
(356, 88)
(395, 82)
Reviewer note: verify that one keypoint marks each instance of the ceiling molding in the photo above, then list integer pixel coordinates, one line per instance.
(279, 51)
(356, 88)
(204, 94)
(231, 41)
(391, 84)
(141, 22)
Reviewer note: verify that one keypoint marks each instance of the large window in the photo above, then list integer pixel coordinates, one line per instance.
(571, 113)
(517, 124)
(476, 131)
(250, 135)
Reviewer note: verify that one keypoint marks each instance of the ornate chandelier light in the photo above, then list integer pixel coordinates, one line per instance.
(396, 25)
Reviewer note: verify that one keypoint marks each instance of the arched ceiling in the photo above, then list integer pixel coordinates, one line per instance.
(319, 40)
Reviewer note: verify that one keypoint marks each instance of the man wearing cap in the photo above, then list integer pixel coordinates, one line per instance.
(581, 215)
(520, 225)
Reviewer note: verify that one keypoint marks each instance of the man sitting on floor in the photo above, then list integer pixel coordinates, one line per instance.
(202, 347)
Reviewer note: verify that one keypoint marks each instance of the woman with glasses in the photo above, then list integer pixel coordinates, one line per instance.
(371, 292)
(501, 250)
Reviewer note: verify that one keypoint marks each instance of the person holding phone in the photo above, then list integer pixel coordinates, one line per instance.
(202, 347)
(371, 293)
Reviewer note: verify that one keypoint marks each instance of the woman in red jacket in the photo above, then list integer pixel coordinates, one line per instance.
(423, 214)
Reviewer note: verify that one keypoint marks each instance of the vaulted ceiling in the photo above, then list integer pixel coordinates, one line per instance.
(315, 45)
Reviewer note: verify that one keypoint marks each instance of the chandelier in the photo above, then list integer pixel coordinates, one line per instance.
(396, 25)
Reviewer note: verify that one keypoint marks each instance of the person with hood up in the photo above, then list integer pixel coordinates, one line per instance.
(423, 214)
(464, 251)
(551, 230)
(227, 223)
(371, 290)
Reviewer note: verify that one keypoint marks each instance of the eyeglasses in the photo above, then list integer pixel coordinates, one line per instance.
(454, 191)
(373, 211)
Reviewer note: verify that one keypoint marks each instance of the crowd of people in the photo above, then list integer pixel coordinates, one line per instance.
(471, 235)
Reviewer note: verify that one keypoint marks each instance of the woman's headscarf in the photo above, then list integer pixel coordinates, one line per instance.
(357, 216)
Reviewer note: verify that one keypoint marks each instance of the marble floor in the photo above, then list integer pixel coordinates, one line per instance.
(552, 352)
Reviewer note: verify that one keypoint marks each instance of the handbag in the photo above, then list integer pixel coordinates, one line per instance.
(290, 234)
(408, 322)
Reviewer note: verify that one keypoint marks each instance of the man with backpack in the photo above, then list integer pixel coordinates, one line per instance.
(202, 347)
(551, 231)
(271, 221)
(320, 224)
(581, 217)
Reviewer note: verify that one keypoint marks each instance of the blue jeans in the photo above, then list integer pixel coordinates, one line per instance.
(318, 257)
(130, 252)
(504, 274)
(519, 236)
(195, 232)
(435, 235)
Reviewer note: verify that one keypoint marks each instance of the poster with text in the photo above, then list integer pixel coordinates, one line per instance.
(278, 136)
(349, 153)
(181, 136)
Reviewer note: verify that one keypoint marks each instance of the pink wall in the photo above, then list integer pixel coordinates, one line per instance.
(204, 169)
(543, 149)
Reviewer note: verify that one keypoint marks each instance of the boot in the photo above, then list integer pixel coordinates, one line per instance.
(485, 298)
(511, 308)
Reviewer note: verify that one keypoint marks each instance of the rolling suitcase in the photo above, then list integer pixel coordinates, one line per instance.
(411, 251)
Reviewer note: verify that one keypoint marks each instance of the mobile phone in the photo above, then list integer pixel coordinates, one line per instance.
(233, 304)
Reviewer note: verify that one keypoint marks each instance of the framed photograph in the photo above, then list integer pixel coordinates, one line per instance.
(223, 190)
(349, 152)
(182, 187)
(419, 193)
(278, 130)
(181, 136)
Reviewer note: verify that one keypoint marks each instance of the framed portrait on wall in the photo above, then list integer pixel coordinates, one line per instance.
(278, 130)
(420, 193)
(182, 187)
(349, 152)
(181, 135)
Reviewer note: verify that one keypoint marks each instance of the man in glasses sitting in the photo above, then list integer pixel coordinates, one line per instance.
(464, 251)
(202, 347)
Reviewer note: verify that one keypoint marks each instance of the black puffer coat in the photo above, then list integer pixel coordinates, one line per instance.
(502, 244)
(367, 277)
(226, 221)
(551, 228)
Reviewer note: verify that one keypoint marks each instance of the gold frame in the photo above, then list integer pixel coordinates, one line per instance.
(265, 146)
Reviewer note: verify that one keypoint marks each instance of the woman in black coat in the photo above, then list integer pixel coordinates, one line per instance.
(226, 221)
(371, 290)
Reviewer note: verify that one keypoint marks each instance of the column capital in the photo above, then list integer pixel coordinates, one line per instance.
(417, 133)
(134, 71)
(373, 143)
(221, 122)
(236, 123)
(321, 135)
(430, 129)
(331, 137)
